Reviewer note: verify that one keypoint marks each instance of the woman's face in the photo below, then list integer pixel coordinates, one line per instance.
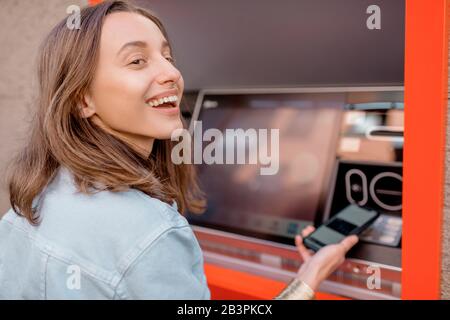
(134, 71)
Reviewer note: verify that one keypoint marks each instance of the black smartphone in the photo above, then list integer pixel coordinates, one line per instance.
(351, 220)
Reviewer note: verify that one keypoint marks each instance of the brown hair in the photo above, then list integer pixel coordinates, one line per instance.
(60, 136)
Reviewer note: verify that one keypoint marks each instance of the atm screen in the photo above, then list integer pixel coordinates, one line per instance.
(274, 206)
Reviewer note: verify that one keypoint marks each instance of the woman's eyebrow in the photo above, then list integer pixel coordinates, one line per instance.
(141, 44)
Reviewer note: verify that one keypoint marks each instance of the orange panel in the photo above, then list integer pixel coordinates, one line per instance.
(226, 284)
(94, 2)
(426, 57)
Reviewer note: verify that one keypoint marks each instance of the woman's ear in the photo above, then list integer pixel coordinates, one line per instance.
(87, 107)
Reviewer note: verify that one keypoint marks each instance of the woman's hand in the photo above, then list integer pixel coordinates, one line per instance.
(317, 267)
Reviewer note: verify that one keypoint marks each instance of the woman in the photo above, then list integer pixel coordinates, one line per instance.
(94, 196)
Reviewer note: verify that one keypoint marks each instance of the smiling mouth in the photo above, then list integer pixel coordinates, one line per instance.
(168, 105)
(163, 103)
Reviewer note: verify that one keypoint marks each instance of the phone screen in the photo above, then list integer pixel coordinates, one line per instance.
(351, 220)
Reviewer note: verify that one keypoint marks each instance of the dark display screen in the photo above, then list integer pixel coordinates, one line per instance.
(275, 207)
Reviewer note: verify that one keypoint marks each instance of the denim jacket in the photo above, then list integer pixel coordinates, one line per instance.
(108, 245)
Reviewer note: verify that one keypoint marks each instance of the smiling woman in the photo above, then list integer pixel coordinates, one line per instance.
(95, 186)
(93, 114)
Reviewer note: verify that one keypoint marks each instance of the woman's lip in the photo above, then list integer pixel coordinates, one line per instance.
(169, 111)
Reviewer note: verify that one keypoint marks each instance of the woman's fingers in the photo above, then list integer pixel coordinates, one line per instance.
(307, 231)
(304, 252)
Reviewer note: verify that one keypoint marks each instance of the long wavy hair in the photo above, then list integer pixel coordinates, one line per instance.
(61, 136)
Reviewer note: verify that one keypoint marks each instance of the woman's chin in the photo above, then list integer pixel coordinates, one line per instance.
(168, 130)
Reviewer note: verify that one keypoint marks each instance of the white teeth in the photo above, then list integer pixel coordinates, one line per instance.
(154, 103)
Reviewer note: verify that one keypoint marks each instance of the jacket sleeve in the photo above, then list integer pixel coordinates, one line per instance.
(171, 267)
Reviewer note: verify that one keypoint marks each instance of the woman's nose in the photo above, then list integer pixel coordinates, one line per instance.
(168, 73)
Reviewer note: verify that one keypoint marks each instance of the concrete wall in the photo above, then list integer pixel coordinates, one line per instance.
(445, 274)
(23, 24)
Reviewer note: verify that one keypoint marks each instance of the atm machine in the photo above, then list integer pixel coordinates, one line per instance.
(337, 146)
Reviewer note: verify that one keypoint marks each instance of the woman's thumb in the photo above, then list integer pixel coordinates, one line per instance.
(348, 242)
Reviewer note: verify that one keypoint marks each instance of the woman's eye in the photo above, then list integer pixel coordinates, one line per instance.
(136, 62)
(170, 59)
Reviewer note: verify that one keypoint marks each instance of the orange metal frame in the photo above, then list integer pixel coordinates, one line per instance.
(226, 284)
(426, 58)
(426, 77)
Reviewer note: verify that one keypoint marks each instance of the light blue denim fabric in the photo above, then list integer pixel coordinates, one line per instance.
(123, 245)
